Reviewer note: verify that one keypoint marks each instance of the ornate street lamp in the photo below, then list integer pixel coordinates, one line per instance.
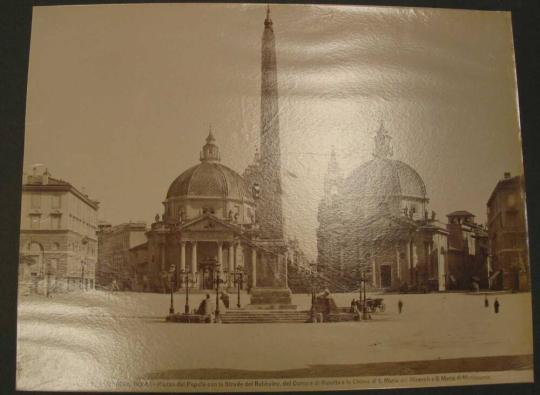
(172, 278)
(313, 290)
(238, 279)
(48, 280)
(218, 280)
(363, 283)
(83, 264)
(187, 280)
(84, 242)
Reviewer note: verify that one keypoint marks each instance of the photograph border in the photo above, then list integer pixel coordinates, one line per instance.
(15, 30)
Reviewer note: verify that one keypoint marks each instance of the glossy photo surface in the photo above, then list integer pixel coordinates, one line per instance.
(228, 197)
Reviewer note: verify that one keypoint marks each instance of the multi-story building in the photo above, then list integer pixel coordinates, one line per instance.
(113, 257)
(58, 244)
(468, 255)
(507, 232)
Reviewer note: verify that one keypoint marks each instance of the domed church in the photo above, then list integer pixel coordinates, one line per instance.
(209, 223)
(215, 219)
(375, 223)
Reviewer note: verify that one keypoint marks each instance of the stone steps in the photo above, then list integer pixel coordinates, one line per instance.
(264, 316)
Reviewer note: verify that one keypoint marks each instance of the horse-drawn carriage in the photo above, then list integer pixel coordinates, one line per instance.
(373, 305)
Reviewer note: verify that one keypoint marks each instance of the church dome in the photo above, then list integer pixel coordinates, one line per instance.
(210, 178)
(385, 177)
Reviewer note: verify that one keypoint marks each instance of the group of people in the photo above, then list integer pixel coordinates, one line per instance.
(357, 306)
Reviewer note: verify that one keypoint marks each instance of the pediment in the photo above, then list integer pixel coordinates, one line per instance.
(208, 223)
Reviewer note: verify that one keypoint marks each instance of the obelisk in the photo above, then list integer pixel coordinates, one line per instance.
(271, 289)
(270, 211)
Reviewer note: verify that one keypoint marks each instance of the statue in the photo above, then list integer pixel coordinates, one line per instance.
(181, 216)
(156, 218)
(433, 215)
(256, 190)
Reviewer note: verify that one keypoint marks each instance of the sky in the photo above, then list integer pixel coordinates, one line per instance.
(121, 98)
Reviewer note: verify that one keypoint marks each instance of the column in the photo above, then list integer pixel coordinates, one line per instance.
(220, 257)
(409, 261)
(253, 267)
(183, 256)
(194, 260)
(398, 262)
(373, 272)
(239, 262)
(441, 269)
(287, 269)
(182, 268)
(231, 265)
(415, 263)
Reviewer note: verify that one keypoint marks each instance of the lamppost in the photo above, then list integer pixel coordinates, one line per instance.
(217, 281)
(313, 291)
(188, 280)
(84, 242)
(363, 283)
(48, 279)
(238, 279)
(83, 264)
(172, 278)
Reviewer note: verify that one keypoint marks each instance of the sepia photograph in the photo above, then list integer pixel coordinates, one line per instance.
(271, 197)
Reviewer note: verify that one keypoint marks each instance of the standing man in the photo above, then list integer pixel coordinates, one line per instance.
(400, 306)
(496, 306)
(486, 301)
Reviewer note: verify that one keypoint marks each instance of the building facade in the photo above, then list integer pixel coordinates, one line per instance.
(113, 262)
(507, 232)
(374, 225)
(468, 252)
(58, 244)
(208, 231)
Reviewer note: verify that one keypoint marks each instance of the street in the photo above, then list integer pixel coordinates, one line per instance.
(86, 341)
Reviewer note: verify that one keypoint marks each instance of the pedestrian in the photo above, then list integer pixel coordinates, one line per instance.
(225, 298)
(496, 306)
(400, 306)
(353, 305)
(486, 301)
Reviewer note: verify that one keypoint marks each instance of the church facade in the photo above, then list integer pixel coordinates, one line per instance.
(207, 229)
(374, 225)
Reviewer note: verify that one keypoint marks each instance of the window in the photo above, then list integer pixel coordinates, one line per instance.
(511, 219)
(35, 200)
(511, 200)
(34, 221)
(55, 201)
(55, 221)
